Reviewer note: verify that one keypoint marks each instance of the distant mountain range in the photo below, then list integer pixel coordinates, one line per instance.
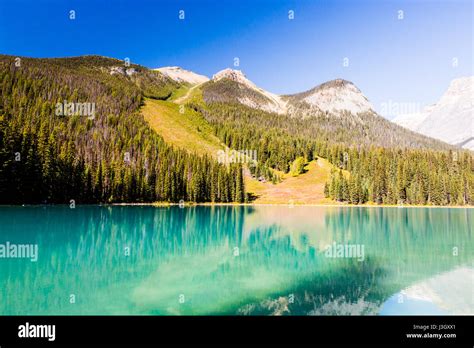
(337, 107)
(451, 119)
(159, 135)
(332, 97)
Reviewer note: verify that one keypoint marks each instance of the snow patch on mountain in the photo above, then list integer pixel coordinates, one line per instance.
(275, 102)
(451, 119)
(183, 76)
(337, 96)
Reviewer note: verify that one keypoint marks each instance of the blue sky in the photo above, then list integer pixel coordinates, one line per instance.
(407, 60)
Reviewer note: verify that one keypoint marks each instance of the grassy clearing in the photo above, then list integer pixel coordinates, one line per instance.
(179, 93)
(188, 130)
(306, 188)
(188, 94)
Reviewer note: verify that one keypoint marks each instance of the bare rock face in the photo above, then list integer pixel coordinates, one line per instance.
(122, 71)
(182, 75)
(335, 97)
(451, 119)
(266, 101)
(233, 75)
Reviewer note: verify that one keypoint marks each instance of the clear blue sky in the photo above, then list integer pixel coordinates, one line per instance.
(408, 60)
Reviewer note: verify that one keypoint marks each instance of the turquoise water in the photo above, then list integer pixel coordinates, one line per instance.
(238, 260)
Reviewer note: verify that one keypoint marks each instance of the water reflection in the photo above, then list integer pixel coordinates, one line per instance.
(232, 260)
(445, 293)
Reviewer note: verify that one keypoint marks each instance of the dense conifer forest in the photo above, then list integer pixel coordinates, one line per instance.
(410, 169)
(112, 157)
(115, 156)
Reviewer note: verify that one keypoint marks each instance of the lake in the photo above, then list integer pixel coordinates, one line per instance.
(235, 260)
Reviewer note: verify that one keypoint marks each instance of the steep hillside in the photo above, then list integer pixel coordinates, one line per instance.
(111, 71)
(232, 86)
(336, 111)
(110, 153)
(187, 130)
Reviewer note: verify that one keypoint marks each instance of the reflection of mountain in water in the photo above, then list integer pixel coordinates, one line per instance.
(404, 246)
(446, 293)
(192, 252)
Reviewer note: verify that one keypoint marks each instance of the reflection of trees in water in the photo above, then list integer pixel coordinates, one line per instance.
(82, 250)
(402, 247)
(348, 288)
(415, 243)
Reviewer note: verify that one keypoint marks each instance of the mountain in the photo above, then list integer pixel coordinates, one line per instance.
(109, 155)
(334, 97)
(451, 119)
(149, 137)
(372, 159)
(410, 121)
(335, 110)
(233, 86)
(182, 76)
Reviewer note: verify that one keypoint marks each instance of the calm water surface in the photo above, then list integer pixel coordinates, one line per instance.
(238, 260)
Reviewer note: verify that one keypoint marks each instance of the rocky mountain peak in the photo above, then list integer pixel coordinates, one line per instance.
(233, 75)
(182, 75)
(336, 96)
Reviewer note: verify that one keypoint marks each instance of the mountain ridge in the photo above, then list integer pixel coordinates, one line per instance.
(181, 75)
(333, 102)
(450, 119)
(232, 86)
(127, 152)
(337, 97)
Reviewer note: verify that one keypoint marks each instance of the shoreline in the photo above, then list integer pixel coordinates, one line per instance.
(208, 204)
(187, 204)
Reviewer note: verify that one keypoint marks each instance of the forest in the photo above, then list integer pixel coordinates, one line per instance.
(113, 157)
(411, 170)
